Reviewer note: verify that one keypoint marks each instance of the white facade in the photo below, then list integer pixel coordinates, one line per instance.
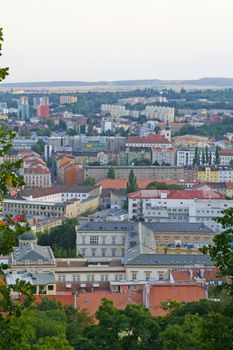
(165, 114)
(178, 210)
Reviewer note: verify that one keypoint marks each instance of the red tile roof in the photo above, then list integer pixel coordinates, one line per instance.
(167, 150)
(151, 138)
(226, 152)
(173, 292)
(122, 183)
(229, 185)
(177, 194)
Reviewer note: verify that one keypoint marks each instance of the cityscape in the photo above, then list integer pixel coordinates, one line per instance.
(116, 208)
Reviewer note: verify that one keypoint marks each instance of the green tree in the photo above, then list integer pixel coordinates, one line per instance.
(217, 156)
(207, 154)
(39, 147)
(221, 251)
(203, 159)
(132, 185)
(3, 71)
(89, 181)
(111, 173)
(196, 159)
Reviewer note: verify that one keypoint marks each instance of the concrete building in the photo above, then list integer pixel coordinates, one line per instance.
(178, 206)
(151, 140)
(226, 156)
(23, 108)
(165, 114)
(37, 176)
(161, 156)
(141, 172)
(185, 157)
(69, 99)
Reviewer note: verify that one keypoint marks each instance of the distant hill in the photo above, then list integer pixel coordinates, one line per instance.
(198, 83)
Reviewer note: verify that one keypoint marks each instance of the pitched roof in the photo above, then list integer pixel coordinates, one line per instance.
(151, 138)
(38, 192)
(171, 260)
(226, 152)
(179, 227)
(122, 183)
(177, 194)
(170, 292)
(107, 226)
(32, 254)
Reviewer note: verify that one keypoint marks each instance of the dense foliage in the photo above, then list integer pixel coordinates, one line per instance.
(61, 239)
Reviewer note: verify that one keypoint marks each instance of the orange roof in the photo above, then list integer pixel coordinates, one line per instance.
(173, 292)
(229, 185)
(177, 194)
(226, 152)
(122, 183)
(151, 138)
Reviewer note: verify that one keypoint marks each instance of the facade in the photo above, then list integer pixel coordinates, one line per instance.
(23, 108)
(130, 154)
(141, 172)
(68, 99)
(161, 156)
(208, 175)
(178, 206)
(226, 156)
(165, 114)
(177, 234)
(43, 108)
(112, 240)
(185, 157)
(37, 176)
(149, 141)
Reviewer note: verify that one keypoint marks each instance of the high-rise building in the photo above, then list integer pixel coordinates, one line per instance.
(68, 99)
(23, 108)
(43, 108)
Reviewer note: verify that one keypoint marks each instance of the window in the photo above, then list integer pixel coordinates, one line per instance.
(83, 251)
(76, 278)
(118, 277)
(94, 240)
(50, 287)
(83, 239)
(104, 240)
(113, 252)
(90, 278)
(93, 251)
(123, 240)
(113, 239)
(122, 251)
(161, 274)
(104, 278)
(147, 274)
(103, 250)
(134, 276)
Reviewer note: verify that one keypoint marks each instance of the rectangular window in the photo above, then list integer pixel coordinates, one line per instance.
(90, 278)
(83, 251)
(50, 287)
(94, 240)
(134, 276)
(104, 278)
(113, 239)
(114, 252)
(83, 239)
(93, 251)
(104, 240)
(103, 250)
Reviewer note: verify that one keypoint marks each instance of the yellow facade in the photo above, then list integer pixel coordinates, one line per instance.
(208, 175)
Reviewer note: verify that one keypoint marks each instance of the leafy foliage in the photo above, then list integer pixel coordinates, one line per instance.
(111, 173)
(132, 185)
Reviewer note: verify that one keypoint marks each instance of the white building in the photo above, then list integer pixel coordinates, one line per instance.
(165, 114)
(185, 156)
(178, 206)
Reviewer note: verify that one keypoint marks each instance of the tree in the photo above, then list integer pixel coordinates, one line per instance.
(210, 158)
(196, 159)
(207, 154)
(221, 251)
(3, 71)
(89, 181)
(111, 173)
(39, 147)
(203, 159)
(217, 156)
(162, 186)
(132, 185)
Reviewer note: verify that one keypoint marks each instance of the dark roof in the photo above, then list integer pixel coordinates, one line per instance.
(28, 236)
(107, 226)
(179, 227)
(32, 254)
(40, 192)
(171, 260)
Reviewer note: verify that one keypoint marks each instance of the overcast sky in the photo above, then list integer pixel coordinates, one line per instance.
(92, 40)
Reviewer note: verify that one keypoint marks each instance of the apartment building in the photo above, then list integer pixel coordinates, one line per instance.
(111, 240)
(185, 156)
(141, 172)
(69, 99)
(178, 206)
(149, 141)
(165, 114)
(161, 156)
(226, 156)
(37, 176)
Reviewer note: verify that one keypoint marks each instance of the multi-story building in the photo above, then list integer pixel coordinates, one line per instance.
(194, 206)
(166, 114)
(115, 111)
(68, 99)
(23, 108)
(130, 154)
(152, 140)
(112, 240)
(185, 157)
(208, 174)
(37, 176)
(141, 172)
(226, 156)
(164, 156)
(43, 107)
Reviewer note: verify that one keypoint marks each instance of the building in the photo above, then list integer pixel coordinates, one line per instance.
(149, 141)
(115, 111)
(37, 176)
(43, 108)
(164, 156)
(178, 206)
(141, 172)
(69, 99)
(112, 240)
(208, 174)
(226, 156)
(23, 108)
(185, 156)
(165, 114)
(177, 234)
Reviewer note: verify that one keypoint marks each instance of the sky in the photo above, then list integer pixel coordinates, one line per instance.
(93, 40)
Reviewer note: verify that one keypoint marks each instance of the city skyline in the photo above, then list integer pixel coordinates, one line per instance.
(94, 40)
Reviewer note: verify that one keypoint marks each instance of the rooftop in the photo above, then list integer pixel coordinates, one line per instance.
(151, 138)
(179, 227)
(122, 183)
(176, 194)
(107, 226)
(171, 260)
(38, 192)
